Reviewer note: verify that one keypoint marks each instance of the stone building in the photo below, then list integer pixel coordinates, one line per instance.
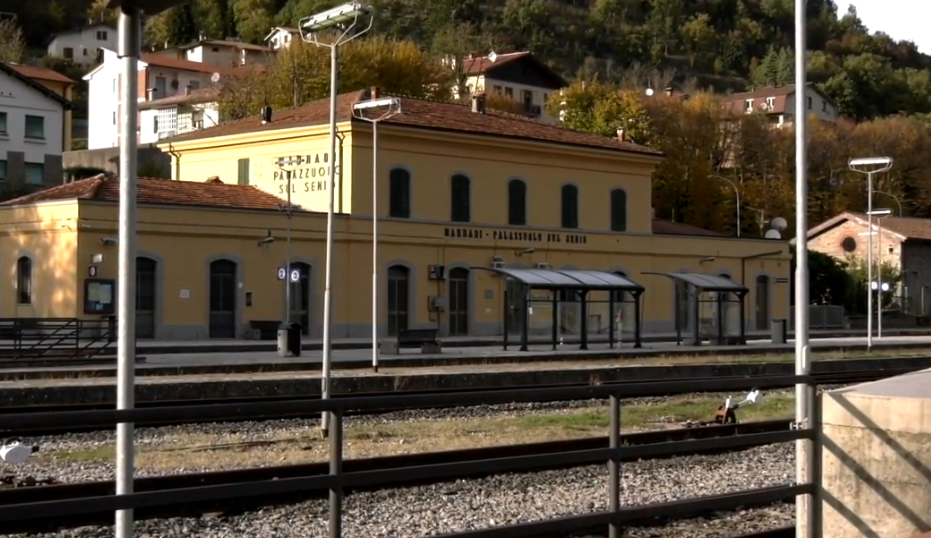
(904, 243)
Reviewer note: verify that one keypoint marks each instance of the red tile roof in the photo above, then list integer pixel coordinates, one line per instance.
(168, 62)
(666, 227)
(13, 71)
(40, 73)
(201, 96)
(152, 191)
(421, 114)
(476, 65)
(908, 227)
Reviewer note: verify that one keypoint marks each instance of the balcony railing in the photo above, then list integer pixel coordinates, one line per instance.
(534, 110)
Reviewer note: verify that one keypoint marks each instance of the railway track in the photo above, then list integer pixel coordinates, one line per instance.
(405, 470)
(824, 379)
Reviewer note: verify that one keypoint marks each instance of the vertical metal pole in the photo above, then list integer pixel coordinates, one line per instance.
(805, 505)
(336, 471)
(737, 192)
(879, 280)
(614, 467)
(327, 300)
(287, 279)
(375, 246)
(130, 43)
(869, 261)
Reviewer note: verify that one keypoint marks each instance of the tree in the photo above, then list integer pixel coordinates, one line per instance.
(99, 12)
(301, 73)
(829, 282)
(12, 44)
(182, 27)
(254, 18)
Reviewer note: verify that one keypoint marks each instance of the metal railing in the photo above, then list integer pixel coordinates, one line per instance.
(55, 338)
(337, 481)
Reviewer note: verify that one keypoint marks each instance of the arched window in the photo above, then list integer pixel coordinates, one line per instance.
(400, 194)
(570, 206)
(460, 199)
(24, 280)
(618, 210)
(517, 203)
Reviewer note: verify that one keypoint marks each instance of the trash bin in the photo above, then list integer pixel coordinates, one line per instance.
(284, 340)
(779, 331)
(294, 339)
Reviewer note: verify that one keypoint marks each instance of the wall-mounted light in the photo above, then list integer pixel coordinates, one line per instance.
(109, 241)
(707, 259)
(267, 240)
(520, 253)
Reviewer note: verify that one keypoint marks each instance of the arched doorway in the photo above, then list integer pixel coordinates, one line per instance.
(398, 294)
(146, 291)
(459, 302)
(300, 297)
(762, 302)
(222, 299)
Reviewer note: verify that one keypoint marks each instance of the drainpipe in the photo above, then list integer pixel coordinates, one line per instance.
(177, 156)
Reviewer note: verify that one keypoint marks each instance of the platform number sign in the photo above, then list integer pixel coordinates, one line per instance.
(295, 275)
(282, 273)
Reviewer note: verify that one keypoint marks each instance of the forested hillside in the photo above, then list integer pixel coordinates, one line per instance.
(725, 44)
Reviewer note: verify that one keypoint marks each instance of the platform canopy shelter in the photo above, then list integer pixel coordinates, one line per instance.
(573, 286)
(708, 307)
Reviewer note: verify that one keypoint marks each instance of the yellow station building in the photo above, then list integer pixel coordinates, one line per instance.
(464, 193)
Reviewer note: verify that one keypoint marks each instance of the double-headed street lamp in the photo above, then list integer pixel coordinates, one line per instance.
(342, 24)
(870, 166)
(374, 111)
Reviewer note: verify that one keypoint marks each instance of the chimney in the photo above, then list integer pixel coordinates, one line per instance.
(478, 103)
(187, 90)
(375, 92)
(150, 94)
(668, 91)
(621, 136)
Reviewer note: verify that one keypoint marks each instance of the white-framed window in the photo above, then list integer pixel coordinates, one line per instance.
(102, 35)
(3, 130)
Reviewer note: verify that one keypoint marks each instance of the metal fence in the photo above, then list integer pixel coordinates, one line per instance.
(337, 481)
(822, 317)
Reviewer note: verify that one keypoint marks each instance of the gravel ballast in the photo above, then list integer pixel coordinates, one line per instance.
(506, 499)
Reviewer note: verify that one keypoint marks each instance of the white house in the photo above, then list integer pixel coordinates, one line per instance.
(32, 121)
(778, 103)
(160, 76)
(219, 53)
(164, 118)
(518, 76)
(280, 37)
(83, 46)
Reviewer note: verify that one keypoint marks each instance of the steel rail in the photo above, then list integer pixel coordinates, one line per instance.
(44, 508)
(825, 378)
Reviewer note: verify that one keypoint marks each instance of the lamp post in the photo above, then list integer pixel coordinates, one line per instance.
(878, 286)
(287, 165)
(869, 166)
(130, 45)
(346, 23)
(736, 195)
(894, 197)
(388, 107)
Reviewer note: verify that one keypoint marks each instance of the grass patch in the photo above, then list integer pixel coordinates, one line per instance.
(199, 451)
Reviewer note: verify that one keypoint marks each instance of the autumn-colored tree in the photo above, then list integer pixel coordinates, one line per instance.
(12, 44)
(301, 73)
(596, 107)
(99, 12)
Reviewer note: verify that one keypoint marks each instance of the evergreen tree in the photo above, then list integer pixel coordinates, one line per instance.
(181, 25)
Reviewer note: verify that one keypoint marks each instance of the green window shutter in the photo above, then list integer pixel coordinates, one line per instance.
(243, 171)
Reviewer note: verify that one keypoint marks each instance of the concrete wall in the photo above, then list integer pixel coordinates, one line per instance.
(876, 459)
(151, 160)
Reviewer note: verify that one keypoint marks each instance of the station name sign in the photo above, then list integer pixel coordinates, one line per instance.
(306, 173)
(517, 236)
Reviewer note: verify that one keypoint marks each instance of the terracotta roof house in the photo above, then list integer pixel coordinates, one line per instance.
(519, 76)
(904, 243)
(778, 103)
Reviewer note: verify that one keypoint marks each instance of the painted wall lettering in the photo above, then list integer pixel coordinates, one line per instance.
(517, 236)
(305, 173)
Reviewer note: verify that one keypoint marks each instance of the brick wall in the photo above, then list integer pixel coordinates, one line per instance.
(831, 242)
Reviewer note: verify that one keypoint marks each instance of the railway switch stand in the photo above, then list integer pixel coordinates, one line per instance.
(727, 413)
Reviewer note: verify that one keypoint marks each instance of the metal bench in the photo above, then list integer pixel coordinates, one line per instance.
(425, 339)
(264, 329)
